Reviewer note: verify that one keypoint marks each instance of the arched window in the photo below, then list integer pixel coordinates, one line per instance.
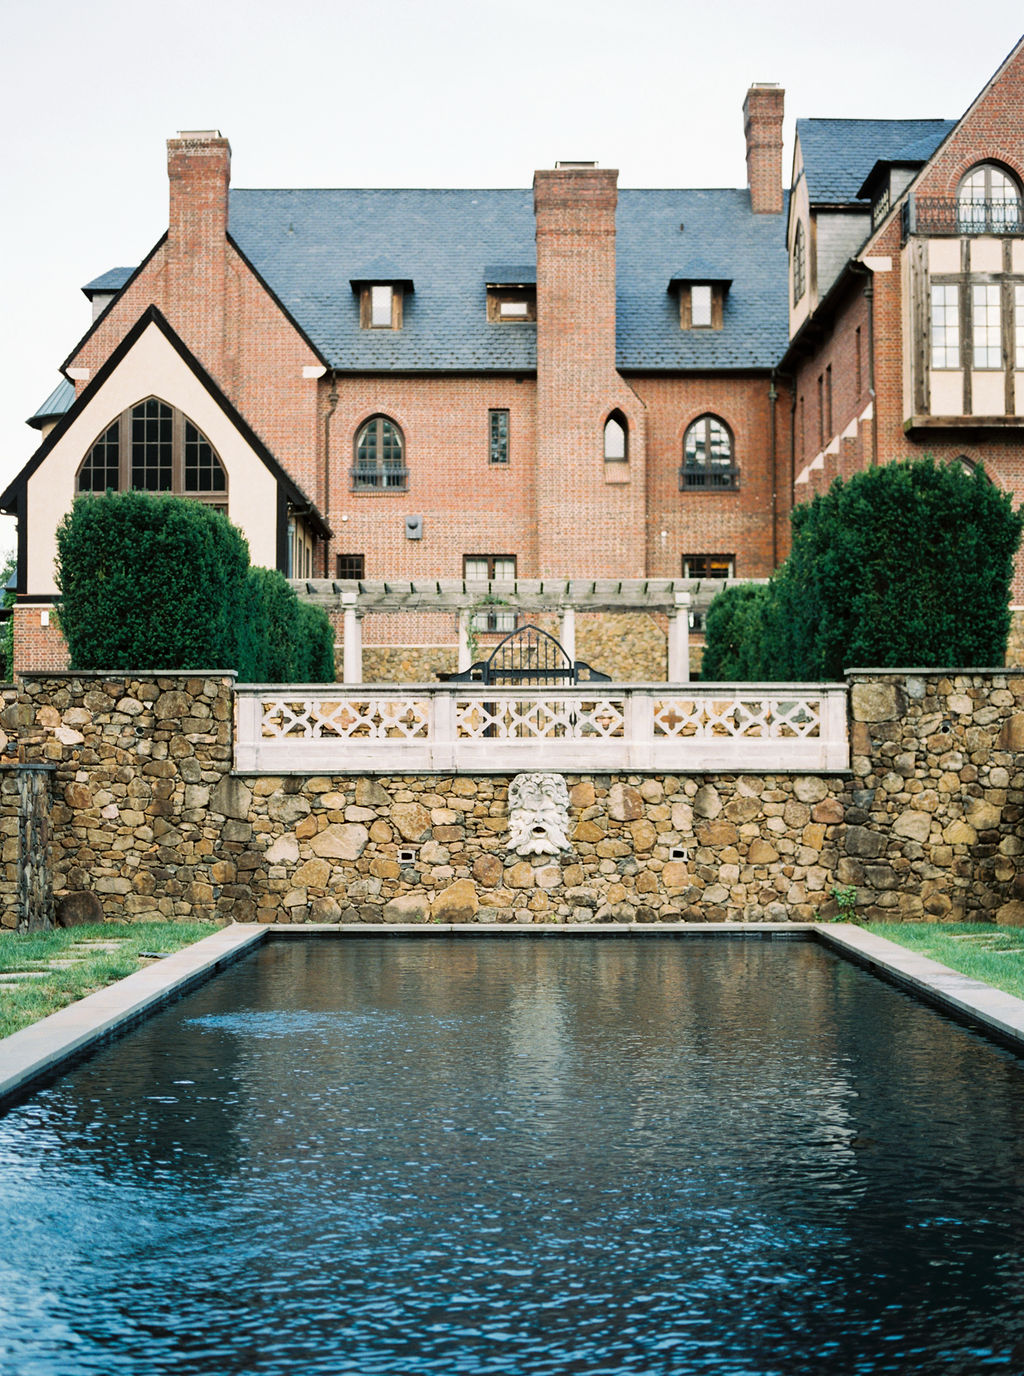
(153, 447)
(988, 200)
(708, 460)
(379, 458)
(616, 438)
(799, 262)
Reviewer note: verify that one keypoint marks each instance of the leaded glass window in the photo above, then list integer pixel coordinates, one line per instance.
(380, 457)
(708, 456)
(986, 326)
(945, 327)
(499, 436)
(153, 447)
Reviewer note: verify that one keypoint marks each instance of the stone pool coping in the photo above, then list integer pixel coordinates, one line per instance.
(46, 1046)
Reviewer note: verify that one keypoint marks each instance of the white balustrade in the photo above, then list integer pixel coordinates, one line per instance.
(649, 728)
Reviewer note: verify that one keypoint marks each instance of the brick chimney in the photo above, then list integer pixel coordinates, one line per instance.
(590, 520)
(199, 169)
(762, 126)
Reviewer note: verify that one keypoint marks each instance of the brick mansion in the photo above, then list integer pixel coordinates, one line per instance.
(574, 382)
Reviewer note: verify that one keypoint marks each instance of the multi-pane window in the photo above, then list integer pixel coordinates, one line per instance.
(480, 568)
(380, 457)
(615, 439)
(799, 263)
(1018, 326)
(986, 326)
(988, 199)
(101, 471)
(351, 566)
(945, 326)
(153, 447)
(709, 565)
(498, 436)
(708, 457)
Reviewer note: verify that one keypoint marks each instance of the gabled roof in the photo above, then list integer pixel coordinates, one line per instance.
(308, 246)
(839, 154)
(61, 399)
(9, 500)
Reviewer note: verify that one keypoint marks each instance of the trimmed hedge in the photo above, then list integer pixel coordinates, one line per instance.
(906, 564)
(162, 582)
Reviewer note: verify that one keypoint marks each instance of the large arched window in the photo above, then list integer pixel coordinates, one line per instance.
(708, 459)
(616, 438)
(799, 262)
(379, 458)
(988, 201)
(153, 447)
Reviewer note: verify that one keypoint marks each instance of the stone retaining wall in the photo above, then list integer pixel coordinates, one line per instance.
(148, 820)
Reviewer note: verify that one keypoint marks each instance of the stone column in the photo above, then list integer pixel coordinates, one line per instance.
(679, 640)
(465, 660)
(567, 631)
(352, 662)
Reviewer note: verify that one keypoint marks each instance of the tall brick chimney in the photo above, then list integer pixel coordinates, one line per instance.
(590, 514)
(199, 169)
(762, 126)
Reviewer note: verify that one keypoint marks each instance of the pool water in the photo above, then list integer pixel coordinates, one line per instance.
(518, 1156)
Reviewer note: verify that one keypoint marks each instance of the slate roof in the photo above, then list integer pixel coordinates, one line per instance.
(112, 280)
(55, 405)
(309, 244)
(838, 154)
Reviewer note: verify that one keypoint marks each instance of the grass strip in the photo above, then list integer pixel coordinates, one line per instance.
(979, 949)
(93, 967)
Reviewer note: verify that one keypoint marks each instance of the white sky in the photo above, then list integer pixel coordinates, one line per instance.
(407, 93)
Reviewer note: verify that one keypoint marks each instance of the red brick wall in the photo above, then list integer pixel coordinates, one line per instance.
(696, 522)
(37, 647)
(587, 525)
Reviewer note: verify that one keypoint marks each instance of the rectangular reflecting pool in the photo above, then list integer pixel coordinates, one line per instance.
(405, 1156)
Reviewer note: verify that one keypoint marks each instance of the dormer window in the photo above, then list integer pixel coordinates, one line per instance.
(512, 305)
(381, 288)
(511, 294)
(700, 301)
(381, 307)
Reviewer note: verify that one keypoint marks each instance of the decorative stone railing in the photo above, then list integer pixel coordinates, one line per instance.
(648, 728)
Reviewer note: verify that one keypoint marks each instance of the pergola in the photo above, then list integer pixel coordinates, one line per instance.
(675, 598)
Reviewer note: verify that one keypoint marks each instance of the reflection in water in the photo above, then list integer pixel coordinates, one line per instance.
(521, 1156)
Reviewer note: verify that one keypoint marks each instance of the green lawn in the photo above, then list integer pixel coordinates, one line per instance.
(980, 949)
(88, 966)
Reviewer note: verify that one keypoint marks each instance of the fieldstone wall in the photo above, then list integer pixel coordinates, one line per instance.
(148, 821)
(934, 810)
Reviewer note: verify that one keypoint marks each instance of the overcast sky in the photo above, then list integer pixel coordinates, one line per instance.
(407, 93)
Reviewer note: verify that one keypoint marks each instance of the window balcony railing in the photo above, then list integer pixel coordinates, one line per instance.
(941, 215)
(379, 479)
(708, 478)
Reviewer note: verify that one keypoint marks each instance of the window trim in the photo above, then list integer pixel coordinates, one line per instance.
(686, 306)
(366, 291)
(380, 486)
(500, 296)
(729, 560)
(350, 577)
(704, 477)
(123, 422)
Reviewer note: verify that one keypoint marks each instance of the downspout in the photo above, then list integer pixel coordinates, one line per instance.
(869, 297)
(773, 397)
(332, 400)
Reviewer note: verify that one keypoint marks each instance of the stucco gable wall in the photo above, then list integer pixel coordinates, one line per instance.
(151, 368)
